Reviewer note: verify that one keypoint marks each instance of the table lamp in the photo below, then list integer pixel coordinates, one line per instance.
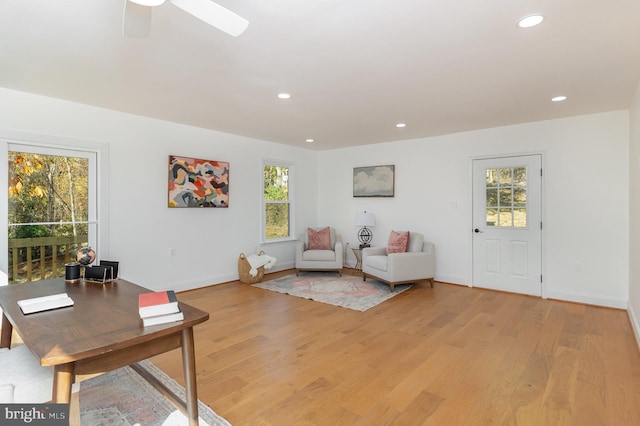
(365, 220)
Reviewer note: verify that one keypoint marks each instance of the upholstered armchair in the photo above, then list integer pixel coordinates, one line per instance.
(23, 379)
(319, 249)
(400, 263)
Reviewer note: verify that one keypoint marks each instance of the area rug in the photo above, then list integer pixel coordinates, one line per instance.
(347, 291)
(122, 397)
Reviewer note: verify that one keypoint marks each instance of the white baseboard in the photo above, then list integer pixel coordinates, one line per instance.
(222, 278)
(633, 319)
(609, 302)
(283, 266)
(204, 282)
(447, 278)
(452, 279)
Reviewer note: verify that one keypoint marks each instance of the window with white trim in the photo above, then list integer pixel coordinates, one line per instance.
(277, 223)
(51, 209)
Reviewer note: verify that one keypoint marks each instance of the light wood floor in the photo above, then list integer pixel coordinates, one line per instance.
(450, 355)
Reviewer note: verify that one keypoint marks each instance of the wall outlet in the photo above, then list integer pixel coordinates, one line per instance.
(172, 252)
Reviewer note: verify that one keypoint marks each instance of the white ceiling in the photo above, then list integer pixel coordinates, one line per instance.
(354, 68)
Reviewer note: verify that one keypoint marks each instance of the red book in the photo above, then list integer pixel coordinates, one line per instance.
(157, 303)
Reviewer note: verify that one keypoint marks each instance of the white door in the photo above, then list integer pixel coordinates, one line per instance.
(507, 227)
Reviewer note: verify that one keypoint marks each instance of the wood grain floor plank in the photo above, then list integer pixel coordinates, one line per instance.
(455, 408)
(559, 393)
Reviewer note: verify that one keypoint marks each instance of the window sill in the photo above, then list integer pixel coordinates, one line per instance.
(279, 241)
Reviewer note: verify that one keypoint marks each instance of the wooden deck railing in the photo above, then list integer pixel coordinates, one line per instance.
(49, 263)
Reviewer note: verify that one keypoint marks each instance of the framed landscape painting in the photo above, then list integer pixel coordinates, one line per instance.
(198, 183)
(374, 181)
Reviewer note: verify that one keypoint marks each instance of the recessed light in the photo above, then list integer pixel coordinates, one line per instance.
(400, 125)
(309, 140)
(531, 20)
(558, 98)
(284, 95)
(148, 2)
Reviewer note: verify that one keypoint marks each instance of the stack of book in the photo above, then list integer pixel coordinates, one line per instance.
(159, 308)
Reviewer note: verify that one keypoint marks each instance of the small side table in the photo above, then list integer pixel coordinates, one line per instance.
(357, 252)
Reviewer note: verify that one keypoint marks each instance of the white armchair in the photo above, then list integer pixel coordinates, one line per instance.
(324, 257)
(417, 263)
(23, 380)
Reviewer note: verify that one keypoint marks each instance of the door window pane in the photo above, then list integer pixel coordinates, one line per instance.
(505, 177)
(520, 176)
(520, 218)
(492, 197)
(506, 217)
(492, 217)
(520, 197)
(506, 197)
(492, 178)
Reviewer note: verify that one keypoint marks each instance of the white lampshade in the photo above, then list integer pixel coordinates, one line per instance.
(365, 219)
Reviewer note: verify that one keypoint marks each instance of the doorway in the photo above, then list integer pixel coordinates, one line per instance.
(507, 224)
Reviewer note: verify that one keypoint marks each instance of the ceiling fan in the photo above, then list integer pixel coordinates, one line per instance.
(136, 21)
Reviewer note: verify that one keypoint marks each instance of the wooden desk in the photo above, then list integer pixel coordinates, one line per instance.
(101, 332)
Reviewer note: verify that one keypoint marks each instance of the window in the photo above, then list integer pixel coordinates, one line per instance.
(278, 211)
(506, 205)
(51, 210)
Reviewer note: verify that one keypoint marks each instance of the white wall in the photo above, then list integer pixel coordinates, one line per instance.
(586, 194)
(634, 212)
(141, 228)
(585, 199)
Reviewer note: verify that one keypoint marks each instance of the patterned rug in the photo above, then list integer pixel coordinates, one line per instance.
(122, 397)
(347, 291)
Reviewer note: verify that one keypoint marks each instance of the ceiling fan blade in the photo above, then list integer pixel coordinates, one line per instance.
(215, 15)
(136, 20)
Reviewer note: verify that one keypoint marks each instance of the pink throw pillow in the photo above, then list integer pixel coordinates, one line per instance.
(398, 242)
(319, 240)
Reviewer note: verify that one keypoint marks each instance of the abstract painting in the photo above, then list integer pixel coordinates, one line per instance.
(198, 183)
(374, 181)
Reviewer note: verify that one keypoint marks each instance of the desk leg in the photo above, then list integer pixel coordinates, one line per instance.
(7, 329)
(189, 366)
(63, 375)
(74, 409)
